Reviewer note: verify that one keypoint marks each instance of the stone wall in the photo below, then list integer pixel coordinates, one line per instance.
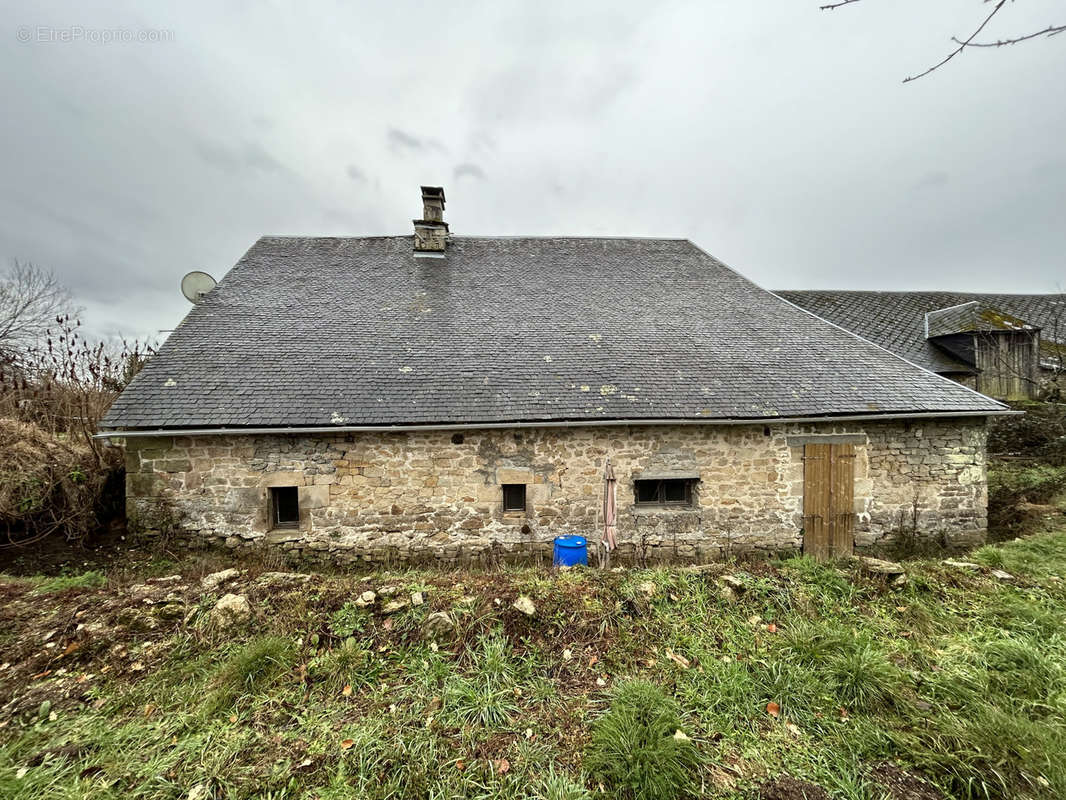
(437, 494)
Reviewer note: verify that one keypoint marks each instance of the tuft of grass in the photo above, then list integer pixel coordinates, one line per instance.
(61, 583)
(857, 671)
(249, 670)
(553, 784)
(634, 747)
(862, 677)
(485, 695)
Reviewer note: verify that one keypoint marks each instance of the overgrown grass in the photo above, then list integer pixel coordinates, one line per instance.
(817, 671)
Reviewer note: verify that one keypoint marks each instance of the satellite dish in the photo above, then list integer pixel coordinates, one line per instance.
(196, 284)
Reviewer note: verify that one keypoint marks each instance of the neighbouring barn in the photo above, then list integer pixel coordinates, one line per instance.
(1008, 346)
(458, 397)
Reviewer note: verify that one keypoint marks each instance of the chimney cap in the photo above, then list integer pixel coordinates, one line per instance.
(434, 192)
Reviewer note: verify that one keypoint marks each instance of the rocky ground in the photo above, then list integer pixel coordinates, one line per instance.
(870, 679)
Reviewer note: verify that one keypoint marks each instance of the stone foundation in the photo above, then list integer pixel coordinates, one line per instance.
(437, 494)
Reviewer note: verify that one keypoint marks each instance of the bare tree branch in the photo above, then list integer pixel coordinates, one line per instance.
(1050, 30)
(30, 300)
(968, 42)
(962, 45)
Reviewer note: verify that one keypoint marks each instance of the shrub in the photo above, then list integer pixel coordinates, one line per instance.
(49, 483)
(634, 748)
(55, 477)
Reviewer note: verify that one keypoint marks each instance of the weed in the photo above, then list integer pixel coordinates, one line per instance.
(348, 620)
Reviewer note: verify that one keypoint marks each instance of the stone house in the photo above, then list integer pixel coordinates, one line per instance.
(1008, 346)
(458, 397)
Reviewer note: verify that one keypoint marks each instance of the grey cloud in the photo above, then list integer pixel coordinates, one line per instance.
(777, 138)
(468, 170)
(248, 156)
(931, 180)
(403, 142)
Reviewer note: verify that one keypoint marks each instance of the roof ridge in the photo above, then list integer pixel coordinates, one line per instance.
(544, 237)
(917, 292)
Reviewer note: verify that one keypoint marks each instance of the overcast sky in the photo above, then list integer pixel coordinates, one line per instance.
(775, 136)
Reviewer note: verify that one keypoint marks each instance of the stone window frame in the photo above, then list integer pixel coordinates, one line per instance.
(514, 508)
(690, 485)
(275, 522)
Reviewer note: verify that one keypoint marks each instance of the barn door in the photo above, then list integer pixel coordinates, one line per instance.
(828, 499)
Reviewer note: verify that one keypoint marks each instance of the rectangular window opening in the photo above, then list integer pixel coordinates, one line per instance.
(285, 506)
(514, 497)
(665, 492)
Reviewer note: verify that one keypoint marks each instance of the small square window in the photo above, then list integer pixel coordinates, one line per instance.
(514, 497)
(285, 506)
(667, 492)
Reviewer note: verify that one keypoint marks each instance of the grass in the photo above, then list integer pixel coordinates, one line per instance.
(638, 747)
(93, 579)
(817, 671)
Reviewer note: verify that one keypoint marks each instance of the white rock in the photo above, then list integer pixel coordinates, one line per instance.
(525, 605)
(394, 606)
(231, 610)
(733, 582)
(999, 574)
(417, 598)
(647, 588)
(879, 566)
(283, 579)
(366, 599)
(438, 625)
(211, 582)
(164, 580)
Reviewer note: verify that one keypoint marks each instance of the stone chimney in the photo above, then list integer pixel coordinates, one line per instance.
(431, 232)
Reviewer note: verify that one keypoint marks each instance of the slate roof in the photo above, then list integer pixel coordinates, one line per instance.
(896, 320)
(972, 317)
(357, 331)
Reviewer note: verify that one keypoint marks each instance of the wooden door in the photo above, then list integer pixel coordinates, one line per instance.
(828, 499)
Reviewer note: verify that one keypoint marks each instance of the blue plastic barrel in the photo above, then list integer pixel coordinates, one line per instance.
(570, 551)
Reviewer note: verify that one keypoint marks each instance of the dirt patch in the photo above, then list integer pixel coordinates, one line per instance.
(903, 785)
(788, 788)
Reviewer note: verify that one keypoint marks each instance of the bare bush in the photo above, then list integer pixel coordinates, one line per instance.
(53, 474)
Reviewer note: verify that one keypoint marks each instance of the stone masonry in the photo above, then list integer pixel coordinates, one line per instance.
(437, 494)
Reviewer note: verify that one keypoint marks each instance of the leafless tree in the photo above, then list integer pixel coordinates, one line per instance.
(30, 301)
(971, 40)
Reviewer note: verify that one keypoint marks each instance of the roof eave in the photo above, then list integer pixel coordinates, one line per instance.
(454, 426)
